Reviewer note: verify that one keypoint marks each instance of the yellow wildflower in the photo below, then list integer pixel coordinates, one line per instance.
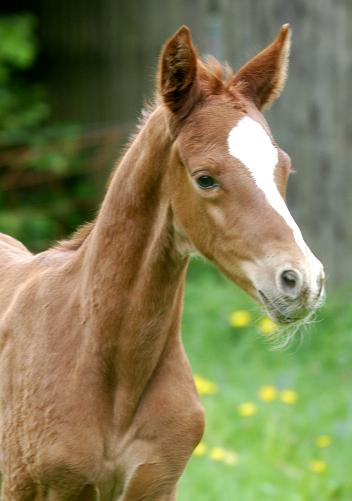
(200, 450)
(267, 326)
(220, 454)
(267, 393)
(217, 454)
(318, 466)
(231, 458)
(288, 397)
(247, 409)
(240, 318)
(323, 441)
(204, 386)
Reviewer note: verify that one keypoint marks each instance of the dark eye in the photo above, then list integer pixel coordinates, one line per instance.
(206, 182)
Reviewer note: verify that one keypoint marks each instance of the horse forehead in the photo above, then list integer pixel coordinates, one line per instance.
(211, 122)
(249, 142)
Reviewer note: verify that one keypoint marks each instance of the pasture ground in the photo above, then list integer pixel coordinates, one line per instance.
(292, 443)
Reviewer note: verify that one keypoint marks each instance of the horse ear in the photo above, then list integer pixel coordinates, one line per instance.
(178, 83)
(263, 77)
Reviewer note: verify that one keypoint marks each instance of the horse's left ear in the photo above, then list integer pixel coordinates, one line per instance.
(178, 83)
(263, 77)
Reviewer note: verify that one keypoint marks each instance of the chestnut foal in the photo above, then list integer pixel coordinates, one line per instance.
(97, 399)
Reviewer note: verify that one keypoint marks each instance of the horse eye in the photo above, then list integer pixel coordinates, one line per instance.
(206, 182)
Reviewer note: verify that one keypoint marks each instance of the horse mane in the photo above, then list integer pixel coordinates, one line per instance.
(77, 238)
(214, 76)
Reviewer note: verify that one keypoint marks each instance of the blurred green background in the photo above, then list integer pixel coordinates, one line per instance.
(278, 423)
(73, 78)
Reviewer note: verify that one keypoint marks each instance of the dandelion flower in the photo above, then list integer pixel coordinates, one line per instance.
(247, 409)
(318, 466)
(288, 397)
(231, 458)
(228, 457)
(217, 454)
(204, 386)
(267, 326)
(200, 450)
(323, 441)
(240, 318)
(267, 393)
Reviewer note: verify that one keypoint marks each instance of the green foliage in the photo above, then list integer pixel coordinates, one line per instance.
(18, 46)
(277, 445)
(22, 106)
(47, 188)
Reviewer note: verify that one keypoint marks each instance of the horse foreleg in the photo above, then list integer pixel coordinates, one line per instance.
(20, 492)
(87, 493)
(150, 482)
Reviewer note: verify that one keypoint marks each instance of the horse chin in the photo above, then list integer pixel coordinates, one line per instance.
(283, 313)
(282, 319)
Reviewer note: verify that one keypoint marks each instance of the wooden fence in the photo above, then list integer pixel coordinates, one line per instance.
(100, 60)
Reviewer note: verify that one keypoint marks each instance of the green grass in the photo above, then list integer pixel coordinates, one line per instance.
(275, 446)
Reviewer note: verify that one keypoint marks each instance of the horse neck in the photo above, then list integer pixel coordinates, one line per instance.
(133, 274)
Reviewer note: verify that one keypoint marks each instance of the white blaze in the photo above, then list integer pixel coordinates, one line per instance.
(249, 142)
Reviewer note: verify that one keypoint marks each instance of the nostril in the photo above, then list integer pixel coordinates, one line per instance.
(291, 282)
(289, 279)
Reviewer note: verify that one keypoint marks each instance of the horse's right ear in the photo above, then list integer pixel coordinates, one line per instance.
(178, 83)
(263, 77)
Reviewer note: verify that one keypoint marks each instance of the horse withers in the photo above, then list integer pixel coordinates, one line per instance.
(97, 399)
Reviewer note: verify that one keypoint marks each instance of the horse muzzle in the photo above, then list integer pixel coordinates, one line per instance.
(293, 294)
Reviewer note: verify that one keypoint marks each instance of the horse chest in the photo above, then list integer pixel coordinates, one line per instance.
(166, 427)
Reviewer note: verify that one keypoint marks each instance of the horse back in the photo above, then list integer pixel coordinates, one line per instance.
(14, 261)
(10, 245)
